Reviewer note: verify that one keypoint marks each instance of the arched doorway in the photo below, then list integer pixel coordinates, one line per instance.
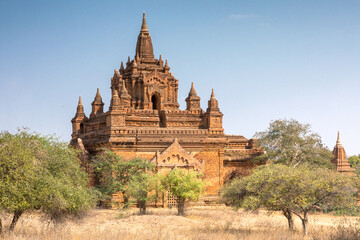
(155, 99)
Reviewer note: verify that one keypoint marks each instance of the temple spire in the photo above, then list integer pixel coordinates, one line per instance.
(144, 47)
(339, 160)
(121, 68)
(123, 89)
(192, 90)
(144, 27)
(338, 141)
(161, 64)
(125, 98)
(212, 94)
(98, 98)
(80, 107)
(97, 104)
(193, 100)
(115, 101)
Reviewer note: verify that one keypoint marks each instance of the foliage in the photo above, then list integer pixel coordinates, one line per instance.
(38, 172)
(114, 173)
(64, 183)
(291, 190)
(354, 161)
(140, 186)
(292, 143)
(184, 185)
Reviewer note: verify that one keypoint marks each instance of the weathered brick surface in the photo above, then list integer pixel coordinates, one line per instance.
(212, 170)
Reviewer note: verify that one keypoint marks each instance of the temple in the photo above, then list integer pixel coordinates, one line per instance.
(144, 120)
(341, 163)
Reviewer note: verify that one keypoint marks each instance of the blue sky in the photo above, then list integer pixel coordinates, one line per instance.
(265, 59)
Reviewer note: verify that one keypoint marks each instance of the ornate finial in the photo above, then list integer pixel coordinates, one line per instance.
(143, 25)
(97, 104)
(144, 45)
(166, 65)
(338, 142)
(80, 107)
(192, 91)
(160, 62)
(123, 89)
(98, 96)
(121, 67)
(212, 94)
(115, 100)
(128, 59)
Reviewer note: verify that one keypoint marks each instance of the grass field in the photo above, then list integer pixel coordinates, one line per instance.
(199, 223)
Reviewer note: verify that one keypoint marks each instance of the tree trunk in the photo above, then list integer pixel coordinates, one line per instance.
(287, 213)
(16, 217)
(181, 206)
(304, 221)
(142, 207)
(126, 199)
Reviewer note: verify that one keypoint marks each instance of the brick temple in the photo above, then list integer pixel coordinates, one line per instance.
(144, 120)
(342, 165)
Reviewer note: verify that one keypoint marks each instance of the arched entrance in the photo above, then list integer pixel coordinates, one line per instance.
(155, 99)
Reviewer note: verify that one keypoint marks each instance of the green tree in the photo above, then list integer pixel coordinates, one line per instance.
(291, 190)
(38, 172)
(114, 173)
(141, 186)
(292, 143)
(184, 185)
(354, 161)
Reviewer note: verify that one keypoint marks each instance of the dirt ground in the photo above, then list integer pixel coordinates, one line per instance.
(199, 223)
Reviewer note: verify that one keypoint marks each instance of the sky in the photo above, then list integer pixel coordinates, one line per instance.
(266, 60)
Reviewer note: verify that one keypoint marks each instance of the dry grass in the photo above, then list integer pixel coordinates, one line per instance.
(199, 223)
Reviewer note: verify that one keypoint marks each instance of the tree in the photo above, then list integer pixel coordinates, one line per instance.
(292, 143)
(291, 190)
(184, 185)
(114, 173)
(354, 161)
(140, 187)
(64, 183)
(38, 172)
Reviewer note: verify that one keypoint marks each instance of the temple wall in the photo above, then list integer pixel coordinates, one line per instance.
(212, 162)
(212, 170)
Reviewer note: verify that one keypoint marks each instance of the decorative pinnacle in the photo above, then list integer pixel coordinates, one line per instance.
(115, 93)
(192, 90)
(166, 65)
(212, 94)
(121, 66)
(98, 96)
(160, 59)
(114, 100)
(128, 59)
(80, 102)
(143, 25)
(338, 141)
(123, 88)
(80, 108)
